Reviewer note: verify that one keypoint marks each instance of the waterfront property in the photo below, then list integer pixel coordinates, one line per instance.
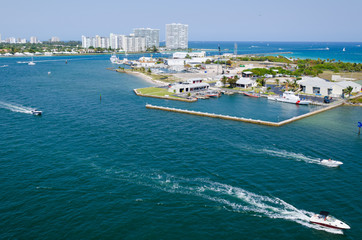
(246, 83)
(191, 85)
(319, 86)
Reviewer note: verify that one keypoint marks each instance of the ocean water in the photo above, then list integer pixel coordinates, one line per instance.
(112, 169)
(312, 50)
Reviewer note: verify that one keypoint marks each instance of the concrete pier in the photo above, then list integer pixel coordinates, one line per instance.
(240, 119)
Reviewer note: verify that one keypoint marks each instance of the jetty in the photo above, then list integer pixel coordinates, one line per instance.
(241, 119)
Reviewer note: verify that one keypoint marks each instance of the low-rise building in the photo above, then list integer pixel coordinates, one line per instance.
(246, 83)
(190, 54)
(191, 85)
(319, 86)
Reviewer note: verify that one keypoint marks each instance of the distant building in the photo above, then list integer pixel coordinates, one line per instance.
(176, 36)
(132, 43)
(246, 83)
(55, 39)
(11, 40)
(178, 55)
(34, 39)
(95, 42)
(152, 36)
(0, 38)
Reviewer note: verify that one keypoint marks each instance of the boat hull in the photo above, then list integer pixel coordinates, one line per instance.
(330, 226)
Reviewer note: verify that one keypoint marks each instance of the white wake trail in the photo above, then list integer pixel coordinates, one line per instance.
(231, 198)
(16, 108)
(293, 156)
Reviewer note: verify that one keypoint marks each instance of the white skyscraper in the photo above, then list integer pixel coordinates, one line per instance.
(33, 40)
(0, 38)
(152, 36)
(55, 39)
(115, 41)
(134, 44)
(177, 36)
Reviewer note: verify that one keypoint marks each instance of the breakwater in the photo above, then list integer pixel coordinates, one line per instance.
(241, 119)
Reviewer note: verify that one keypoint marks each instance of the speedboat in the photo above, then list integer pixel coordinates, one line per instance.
(252, 94)
(326, 220)
(331, 163)
(289, 97)
(36, 112)
(31, 63)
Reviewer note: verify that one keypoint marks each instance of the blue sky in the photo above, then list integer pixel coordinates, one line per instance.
(231, 20)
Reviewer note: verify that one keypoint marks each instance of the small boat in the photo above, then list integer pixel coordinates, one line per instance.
(31, 63)
(327, 48)
(252, 94)
(4, 66)
(289, 97)
(331, 163)
(326, 220)
(211, 93)
(344, 49)
(36, 112)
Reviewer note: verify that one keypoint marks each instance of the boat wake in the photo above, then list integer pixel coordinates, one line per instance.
(16, 108)
(294, 156)
(231, 198)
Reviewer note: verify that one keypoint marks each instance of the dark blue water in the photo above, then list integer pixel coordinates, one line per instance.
(112, 169)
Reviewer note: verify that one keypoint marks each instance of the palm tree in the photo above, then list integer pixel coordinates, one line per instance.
(277, 81)
(348, 90)
(224, 80)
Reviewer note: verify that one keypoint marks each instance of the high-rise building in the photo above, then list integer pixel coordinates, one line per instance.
(0, 38)
(134, 44)
(115, 41)
(176, 36)
(152, 36)
(55, 39)
(33, 39)
(97, 41)
(11, 40)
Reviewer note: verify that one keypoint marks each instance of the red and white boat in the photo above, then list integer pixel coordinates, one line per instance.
(252, 94)
(326, 220)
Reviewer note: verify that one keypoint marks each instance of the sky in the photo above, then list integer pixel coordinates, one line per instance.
(230, 20)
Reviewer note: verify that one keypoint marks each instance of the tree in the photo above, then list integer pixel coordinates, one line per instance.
(149, 71)
(224, 80)
(348, 90)
(232, 81)
(207, 61)
(277, 81)
(188, 56)
(261, 81)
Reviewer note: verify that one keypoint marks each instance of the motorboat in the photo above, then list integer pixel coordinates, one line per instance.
(327, 48)
(331, 163)
(211, 93)
(114, 59)
(31, 63)
(289, 97)
(326, 220)
(252, 94)
(36, 112)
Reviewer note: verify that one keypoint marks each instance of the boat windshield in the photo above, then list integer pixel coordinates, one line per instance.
(331, 218)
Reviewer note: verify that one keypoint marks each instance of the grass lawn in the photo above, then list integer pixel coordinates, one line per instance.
(161, 92)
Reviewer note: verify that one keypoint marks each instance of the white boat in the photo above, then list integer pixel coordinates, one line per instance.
(326, 220)
(114, 59)
(331, 163)
(3, 66)
(273, 97)
(31, 63)
(327, 48)
(344, 49)
(289, 97)
(36, 112)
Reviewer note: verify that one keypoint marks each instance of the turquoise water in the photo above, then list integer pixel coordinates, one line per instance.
(312, 50)
(112, 169)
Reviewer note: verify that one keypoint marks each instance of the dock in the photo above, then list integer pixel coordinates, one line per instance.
(241, 119)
